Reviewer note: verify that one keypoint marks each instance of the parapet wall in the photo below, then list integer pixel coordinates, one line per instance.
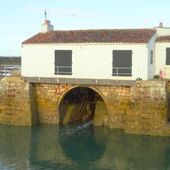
(140, 109)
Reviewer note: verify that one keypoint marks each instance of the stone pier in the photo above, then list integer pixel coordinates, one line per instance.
(142, 108)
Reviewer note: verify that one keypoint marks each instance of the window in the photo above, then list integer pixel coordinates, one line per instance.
(151, 57)
(122, 63)
(167, 56)
(63, 62)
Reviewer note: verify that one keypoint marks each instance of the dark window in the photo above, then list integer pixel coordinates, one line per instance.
(167, 56)
(151, 57)
(63, 62)
(122, 63)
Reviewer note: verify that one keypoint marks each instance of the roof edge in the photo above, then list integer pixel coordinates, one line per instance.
(163, 38)
(95, 36)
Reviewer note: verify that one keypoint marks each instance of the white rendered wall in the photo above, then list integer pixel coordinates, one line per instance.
(160, 55)
(163, 31)
(160, 52)
(151, 46)
(89, 60)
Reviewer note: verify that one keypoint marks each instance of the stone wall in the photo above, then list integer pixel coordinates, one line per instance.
(48, 96)
(15, 103)
(141, 109)
(168, 99)
(148, 109)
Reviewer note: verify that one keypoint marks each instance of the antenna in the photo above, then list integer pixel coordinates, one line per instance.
(45, 14)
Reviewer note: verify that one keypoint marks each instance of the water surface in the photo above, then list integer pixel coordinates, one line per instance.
(80, 148)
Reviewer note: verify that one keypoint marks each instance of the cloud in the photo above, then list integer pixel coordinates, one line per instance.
(61, 12)
(64, 12)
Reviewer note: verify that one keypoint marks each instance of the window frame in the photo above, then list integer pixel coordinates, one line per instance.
(62, 67)
(119, 70)
(167, 62)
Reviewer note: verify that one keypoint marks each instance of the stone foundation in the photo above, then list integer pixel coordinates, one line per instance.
(140, 109)
(15, 102)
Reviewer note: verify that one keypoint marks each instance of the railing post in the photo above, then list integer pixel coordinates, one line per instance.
(5, 70)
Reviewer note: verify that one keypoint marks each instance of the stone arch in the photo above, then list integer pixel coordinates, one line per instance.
(77, 101)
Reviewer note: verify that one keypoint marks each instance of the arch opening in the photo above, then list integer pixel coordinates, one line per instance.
(80, 105)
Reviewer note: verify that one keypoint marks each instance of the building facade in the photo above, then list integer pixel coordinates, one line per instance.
(118, 54)
(162, 54)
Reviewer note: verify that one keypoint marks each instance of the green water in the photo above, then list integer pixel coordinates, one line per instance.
(93, 148)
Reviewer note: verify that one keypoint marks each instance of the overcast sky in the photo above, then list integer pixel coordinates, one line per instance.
(21, 19)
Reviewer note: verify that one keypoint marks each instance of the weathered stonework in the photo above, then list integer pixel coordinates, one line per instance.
(48, 96)
(141, 109)
(15, 103)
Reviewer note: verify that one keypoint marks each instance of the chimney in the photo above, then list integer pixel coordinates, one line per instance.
(161, 25)
(46, 26)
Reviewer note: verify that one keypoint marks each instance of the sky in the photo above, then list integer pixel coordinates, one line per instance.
(21, 19)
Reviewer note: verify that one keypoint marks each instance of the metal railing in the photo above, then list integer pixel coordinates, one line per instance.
(116, 71)
(63, 70)
(10, 70)
(121, 71)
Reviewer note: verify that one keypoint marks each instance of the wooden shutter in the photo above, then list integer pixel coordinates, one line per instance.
(122, 63)
(63, 62)
(167, 56)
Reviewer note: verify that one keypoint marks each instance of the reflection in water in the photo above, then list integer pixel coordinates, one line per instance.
(93, 148)
(83, 146)
(14, 147)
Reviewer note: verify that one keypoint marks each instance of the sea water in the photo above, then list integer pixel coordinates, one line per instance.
(80, 147)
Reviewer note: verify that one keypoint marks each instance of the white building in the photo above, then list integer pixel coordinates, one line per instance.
(114, 54)
(162, 56)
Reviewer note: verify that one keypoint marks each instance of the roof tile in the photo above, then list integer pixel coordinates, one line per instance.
(163, 39)
(93, 36)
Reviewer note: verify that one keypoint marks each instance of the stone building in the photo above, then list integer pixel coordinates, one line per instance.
(89, 76)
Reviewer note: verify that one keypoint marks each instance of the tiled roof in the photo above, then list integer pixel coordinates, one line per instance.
(93, 36)
(163, 39)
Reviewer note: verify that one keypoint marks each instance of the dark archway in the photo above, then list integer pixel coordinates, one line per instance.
(82, 104)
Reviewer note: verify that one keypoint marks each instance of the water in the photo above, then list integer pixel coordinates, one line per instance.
(80, 148)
